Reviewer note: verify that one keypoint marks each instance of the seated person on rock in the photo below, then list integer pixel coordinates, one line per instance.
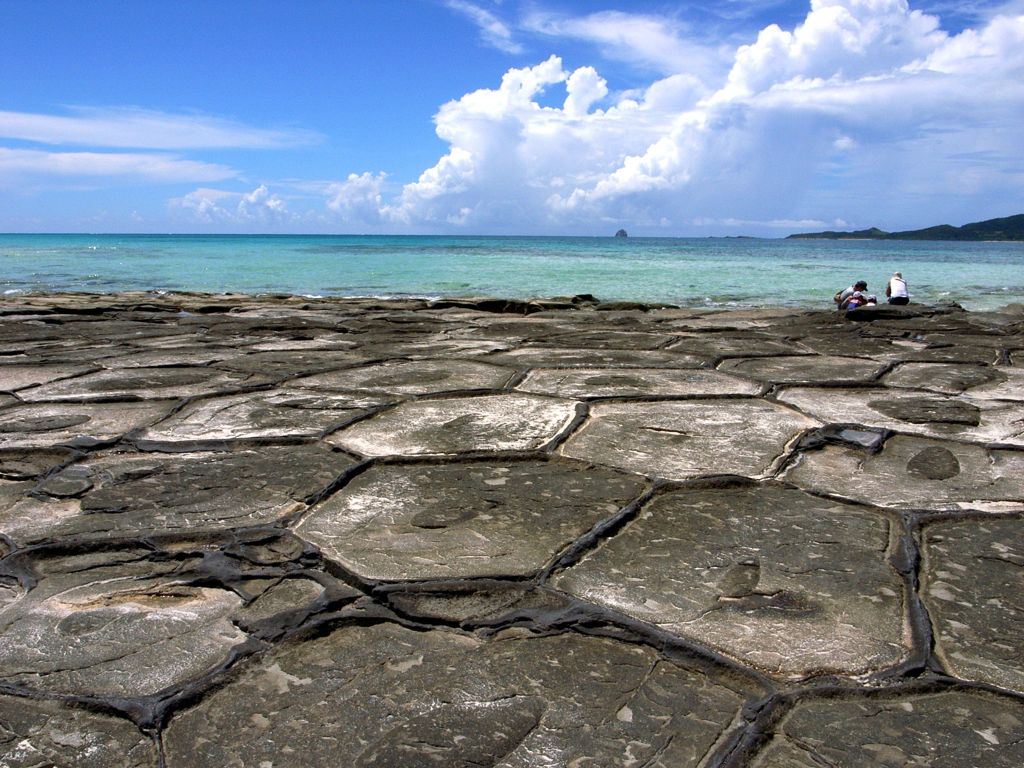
(844, 294)
(857, 299)
(896, 290)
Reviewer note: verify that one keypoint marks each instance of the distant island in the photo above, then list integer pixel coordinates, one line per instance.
(1008, 228)
(622, 233)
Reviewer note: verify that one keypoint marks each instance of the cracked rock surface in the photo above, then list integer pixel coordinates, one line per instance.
(272, 532)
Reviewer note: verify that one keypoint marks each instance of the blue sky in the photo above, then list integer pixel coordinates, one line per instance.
(722, 117)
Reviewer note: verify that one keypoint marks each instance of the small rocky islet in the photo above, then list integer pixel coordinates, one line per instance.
(279, 531)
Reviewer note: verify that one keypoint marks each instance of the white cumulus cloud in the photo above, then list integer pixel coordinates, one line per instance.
(216, 206)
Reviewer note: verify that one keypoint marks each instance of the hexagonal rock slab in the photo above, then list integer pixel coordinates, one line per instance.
(455, 425)
(942, 377)
(47, 733)
(141, 494)
(143, 383)
(788, 582)
(811, 369)
(411, 378)
(280, 413)
(115, 631)
(619, 382)
(916, 472)
(80, 424)
(528, 357)
(493, 519)
(971, 583)
(387, 696)
(14, 377)
(680, 440)
(922, 413)
(937, 730)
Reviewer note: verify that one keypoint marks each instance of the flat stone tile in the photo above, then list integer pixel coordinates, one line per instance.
(510, 422)
(46, 733)
(388, 696)
(574, 357)
(618, 382)
(411, 378)
(1009, 386)
(685, 439)
(463, 520)
(916, 472)
(82, 424)
(971, 584)
(790, 583)
(716, 346)
(936, 415)
(278, 413)
(143, 383)
(290, 362)
(114, 631)
(121, 495)
(937, 730)
(804, 369)
(609, 339)
(15, 377)
(943, 377)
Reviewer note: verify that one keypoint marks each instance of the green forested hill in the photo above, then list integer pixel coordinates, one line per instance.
(1007, 228)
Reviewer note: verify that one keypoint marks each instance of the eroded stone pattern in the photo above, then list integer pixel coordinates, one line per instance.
(524, 608)
(493, 519)
(788, 582)
(933, 414)
(917, 472)
(411, 378)
(790, 369)
(130, 494)
(451, 700)
(618, 382)
(939, 730)
(458, 425)
(679, 440)
(47, 733)
(79, 424)
(971, 583)
(114, 631)
(262, 415)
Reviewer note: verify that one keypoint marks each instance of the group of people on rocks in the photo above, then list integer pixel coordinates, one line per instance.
(857, 296)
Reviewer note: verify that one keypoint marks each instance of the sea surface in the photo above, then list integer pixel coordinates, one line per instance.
(712, 272)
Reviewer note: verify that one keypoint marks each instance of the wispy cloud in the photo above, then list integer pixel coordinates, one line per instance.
(493, 30)
(661, 43)
(151, 167)
(135, 128)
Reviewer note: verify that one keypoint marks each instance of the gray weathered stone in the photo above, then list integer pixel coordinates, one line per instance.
(114, 630)
(36, 733)
(510, 422)
(790, 583)
(574, 357)
(804, 369)
(80, 424)
(141, 494)
(492, 519)
(935, 415)
(971, 583)
(260, 415)
(382, 695)
(619, 382)
(410, 378)
(942, 377)
(936, 730)
(917, 472)
(679, 440)
(143, 383)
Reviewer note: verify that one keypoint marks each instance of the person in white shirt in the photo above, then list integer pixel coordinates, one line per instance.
(896, 290)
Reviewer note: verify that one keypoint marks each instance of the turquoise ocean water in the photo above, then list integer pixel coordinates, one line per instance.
(714, 272)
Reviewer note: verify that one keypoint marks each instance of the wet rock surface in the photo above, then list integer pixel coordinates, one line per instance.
(296, 532)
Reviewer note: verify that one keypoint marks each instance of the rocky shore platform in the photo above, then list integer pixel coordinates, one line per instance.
(275, 531)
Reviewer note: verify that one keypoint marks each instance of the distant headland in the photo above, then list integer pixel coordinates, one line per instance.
(1008, 228)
